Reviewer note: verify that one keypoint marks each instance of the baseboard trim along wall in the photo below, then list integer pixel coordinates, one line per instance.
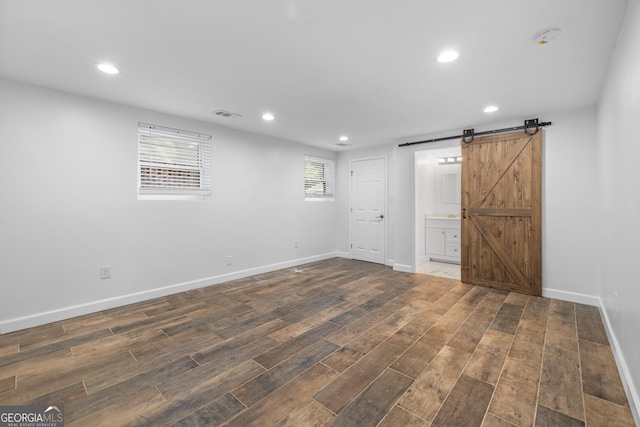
(38, 319)
(571, 296)
(623, 369)
(402, 267)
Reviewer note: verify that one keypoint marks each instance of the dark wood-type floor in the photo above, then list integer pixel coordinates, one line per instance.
(337, 342)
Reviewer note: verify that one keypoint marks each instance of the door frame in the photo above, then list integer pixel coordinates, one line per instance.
(385, 201)
(415, 256)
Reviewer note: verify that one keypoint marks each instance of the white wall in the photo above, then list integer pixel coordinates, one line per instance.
(68, 169)
(570, 215)
(619, 197)
(424, 177)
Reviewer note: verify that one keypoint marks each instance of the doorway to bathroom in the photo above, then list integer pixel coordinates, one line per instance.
(438, 208)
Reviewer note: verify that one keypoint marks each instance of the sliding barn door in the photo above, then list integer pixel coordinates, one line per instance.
(501, 210)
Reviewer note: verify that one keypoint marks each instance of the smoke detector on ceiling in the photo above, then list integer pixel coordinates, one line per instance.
(548, 36)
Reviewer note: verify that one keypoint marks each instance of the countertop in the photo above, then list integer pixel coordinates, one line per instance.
(450, 217)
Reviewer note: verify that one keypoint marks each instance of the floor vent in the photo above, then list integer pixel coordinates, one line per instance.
(226, 114)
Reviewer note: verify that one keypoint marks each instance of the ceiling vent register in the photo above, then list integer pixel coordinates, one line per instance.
(226, 114)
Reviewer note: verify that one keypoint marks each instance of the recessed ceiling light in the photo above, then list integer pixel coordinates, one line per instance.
(108, 68)
(448, 56)
(491, 109)
(344, 138)
(268, 117)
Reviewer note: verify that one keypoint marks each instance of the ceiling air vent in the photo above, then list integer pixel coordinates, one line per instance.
(226, 114)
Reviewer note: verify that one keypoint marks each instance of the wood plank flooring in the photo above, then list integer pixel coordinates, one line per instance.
(332, 343)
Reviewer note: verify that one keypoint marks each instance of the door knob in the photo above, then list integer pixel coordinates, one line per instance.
(380, 217)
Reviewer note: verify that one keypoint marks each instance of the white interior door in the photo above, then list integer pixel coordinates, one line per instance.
(368, 210)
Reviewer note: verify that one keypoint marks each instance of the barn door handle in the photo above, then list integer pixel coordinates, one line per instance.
(464, 213)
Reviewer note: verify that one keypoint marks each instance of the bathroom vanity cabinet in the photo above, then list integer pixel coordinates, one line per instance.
(442, 239)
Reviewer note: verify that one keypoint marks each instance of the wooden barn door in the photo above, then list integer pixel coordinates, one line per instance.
(501, 210)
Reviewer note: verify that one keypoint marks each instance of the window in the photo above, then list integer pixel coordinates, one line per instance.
(173, 164)
(318, 178)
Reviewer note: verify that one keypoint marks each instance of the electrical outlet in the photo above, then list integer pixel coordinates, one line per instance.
(229, 260)
(105, 272)
(295, 244)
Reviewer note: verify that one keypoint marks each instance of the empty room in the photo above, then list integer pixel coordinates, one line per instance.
(319, 213)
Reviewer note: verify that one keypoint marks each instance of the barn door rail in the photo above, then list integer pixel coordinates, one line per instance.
(530, 127)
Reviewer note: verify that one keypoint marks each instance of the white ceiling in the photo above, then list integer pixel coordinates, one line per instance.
(324, 68)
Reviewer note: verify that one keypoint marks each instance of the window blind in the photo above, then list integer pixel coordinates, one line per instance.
(319, 175)
(173, 162)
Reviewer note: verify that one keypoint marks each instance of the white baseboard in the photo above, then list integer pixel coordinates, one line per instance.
(623, 368)
(64, 313)
(403, 268)
(571, 297)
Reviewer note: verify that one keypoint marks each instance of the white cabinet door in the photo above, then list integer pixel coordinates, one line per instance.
(435, 241)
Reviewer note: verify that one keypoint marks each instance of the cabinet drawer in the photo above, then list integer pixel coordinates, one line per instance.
(453, 249)
(453, 235)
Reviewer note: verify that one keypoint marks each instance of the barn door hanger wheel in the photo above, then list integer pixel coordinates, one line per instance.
(531, 124)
